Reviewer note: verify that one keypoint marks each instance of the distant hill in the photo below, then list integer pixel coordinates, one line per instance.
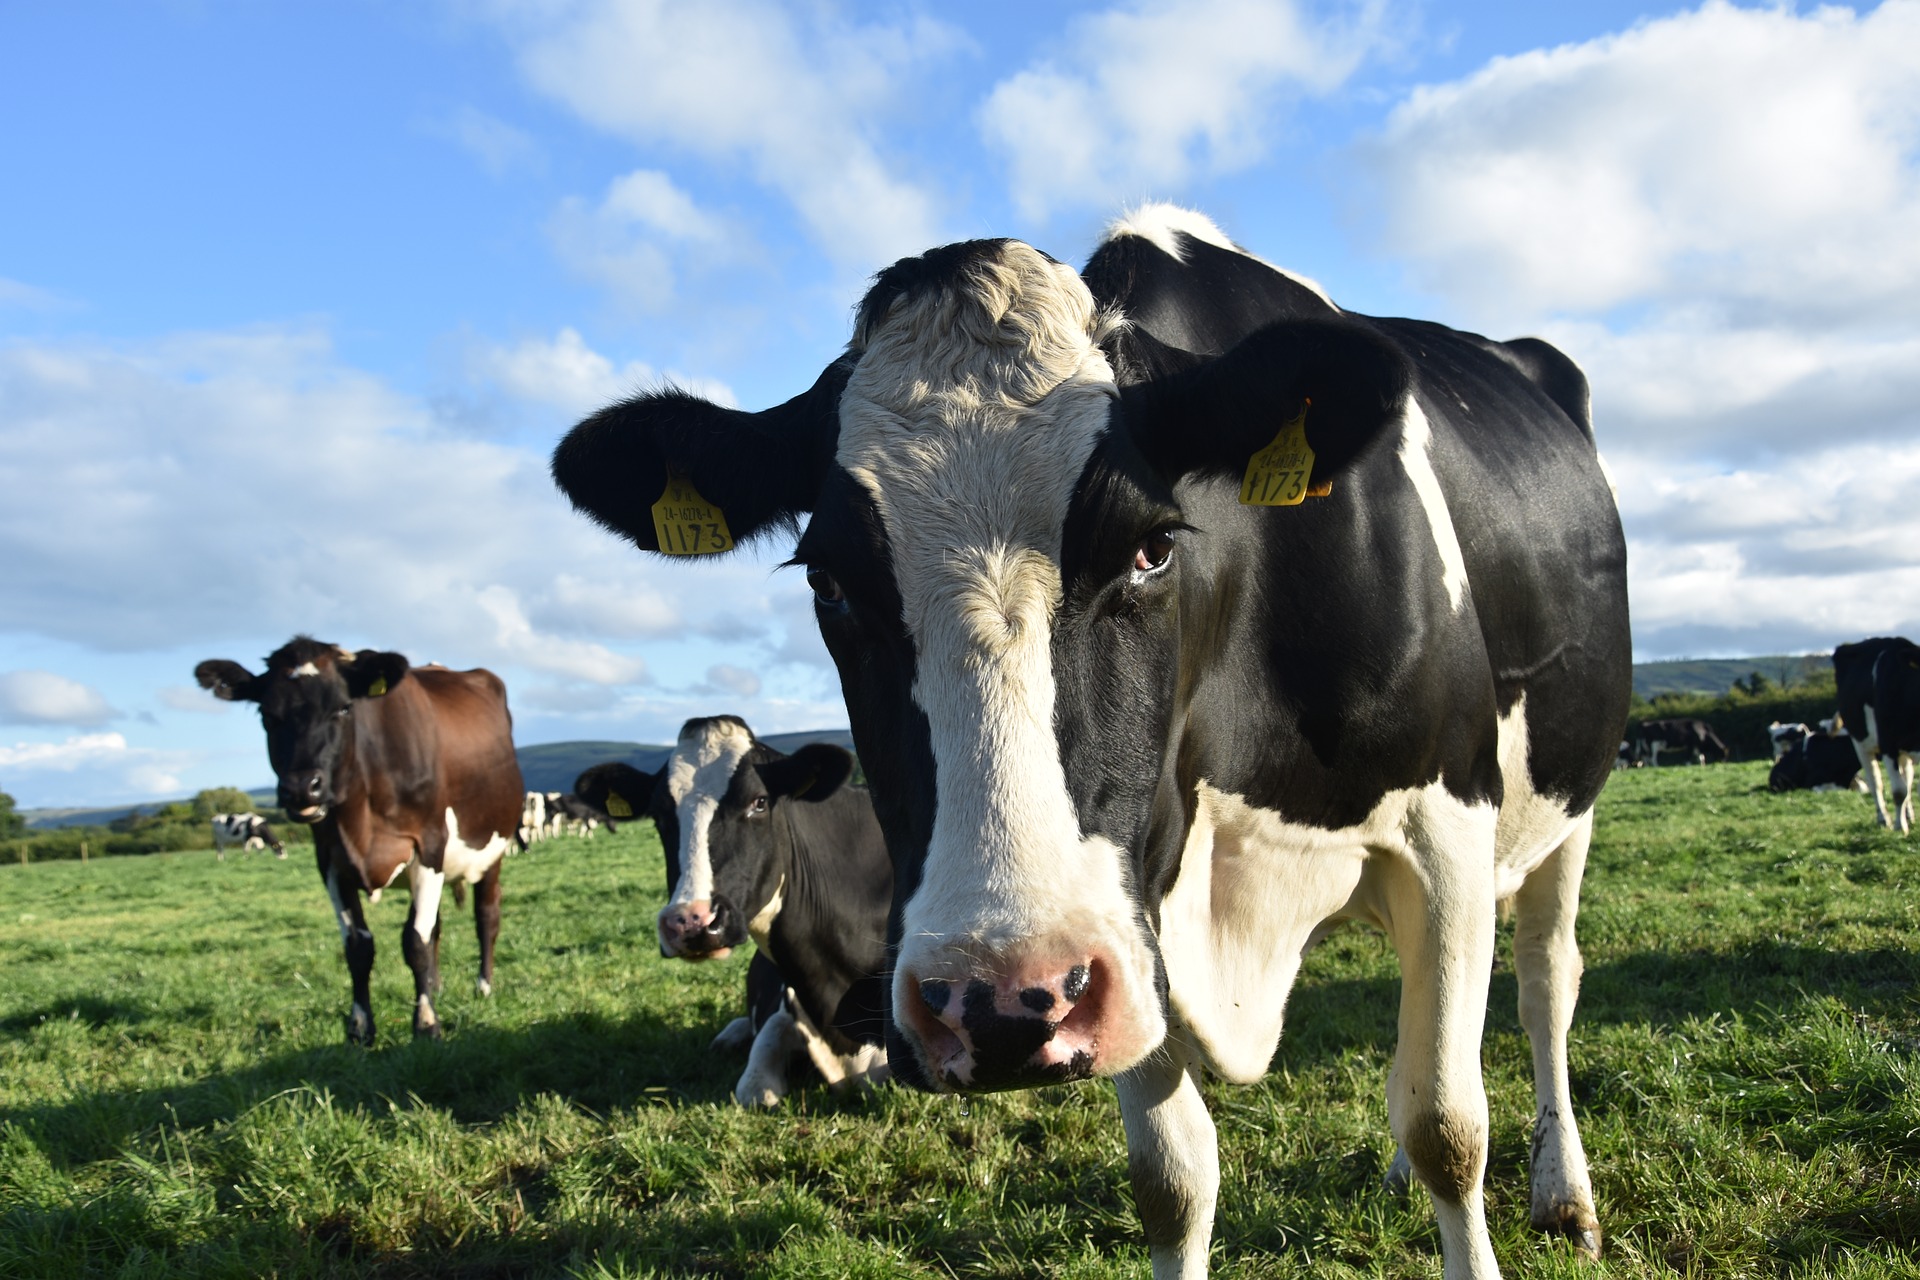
(1716, 675)
(545, 766)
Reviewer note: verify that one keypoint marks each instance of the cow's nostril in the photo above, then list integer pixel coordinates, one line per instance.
(313, 785)
(1075, 985)
(1038, 999)
(935, 994)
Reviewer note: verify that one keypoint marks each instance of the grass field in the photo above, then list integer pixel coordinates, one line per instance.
(176, 1099)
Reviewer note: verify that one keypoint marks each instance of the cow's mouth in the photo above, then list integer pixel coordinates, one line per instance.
(309, 815)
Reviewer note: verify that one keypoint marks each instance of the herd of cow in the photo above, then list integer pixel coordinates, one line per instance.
(1180, 615)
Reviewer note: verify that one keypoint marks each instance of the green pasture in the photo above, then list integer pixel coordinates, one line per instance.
(176, 1099)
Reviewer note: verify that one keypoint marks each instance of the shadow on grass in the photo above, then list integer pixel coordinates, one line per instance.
(476, 1075)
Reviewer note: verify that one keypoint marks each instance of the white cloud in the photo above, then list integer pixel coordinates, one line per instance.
(1149, 94)
(735, 680)
(798, 93)
(578, 659)
(565, 373)
(137, 770)
(18, 295)
(501, 148)
(180, 697)
(43, 697)
(641, 237)
(1753, 157)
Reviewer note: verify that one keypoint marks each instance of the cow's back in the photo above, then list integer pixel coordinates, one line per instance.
(479, 774)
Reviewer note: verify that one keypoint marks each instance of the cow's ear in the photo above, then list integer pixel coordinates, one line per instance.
(1343, 382)
(734, 475)
(814, 772)
(372, 673)
(616, 789)
(227, 681)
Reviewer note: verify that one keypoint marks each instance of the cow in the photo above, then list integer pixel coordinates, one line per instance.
(1694, 737)
(1879, 686)
(1816, 763)
(1137, 738)
(1783, 737)
(578, 816)
(399, 770)
(533, 818)
(785, 850)
(248, 830)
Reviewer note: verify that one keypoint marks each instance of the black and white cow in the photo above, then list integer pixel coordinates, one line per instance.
(533, 818)
(1693, 738)
(248, 830)
(1783, 737)
(572, 814)
(1816, 763)
(1135, 743)
(782, 849)
(1879, 686)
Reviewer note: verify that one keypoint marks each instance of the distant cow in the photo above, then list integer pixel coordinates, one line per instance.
(578, 816)
(533, 818)
(1879, 684)
(398, 769)
(1694, 737)
(248, 830)
(780, 848)
(1815, 763)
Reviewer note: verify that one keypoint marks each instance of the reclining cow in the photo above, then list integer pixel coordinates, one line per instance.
(1816, 763)
(248, 830)
(1694, 738)
(1177, 620)
(399, 770)
(782, 849)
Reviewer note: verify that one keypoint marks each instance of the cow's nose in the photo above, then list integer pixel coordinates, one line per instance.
(1009, 1031)
(693, 931)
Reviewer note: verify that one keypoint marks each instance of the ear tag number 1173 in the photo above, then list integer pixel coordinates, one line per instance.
(1281, 475)
(686, 524)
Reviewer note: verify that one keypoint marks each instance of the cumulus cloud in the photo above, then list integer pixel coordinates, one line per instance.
(792, 91)
(180, 697)
(136, 770)
(43, 697)
(1144, 96)
(722, 678)
(641, 235)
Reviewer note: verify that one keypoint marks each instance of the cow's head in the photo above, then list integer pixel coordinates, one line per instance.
(1007, 551)
(307, 697)
(716, 803)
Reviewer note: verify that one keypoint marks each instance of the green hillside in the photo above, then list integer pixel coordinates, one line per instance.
(1716, 675)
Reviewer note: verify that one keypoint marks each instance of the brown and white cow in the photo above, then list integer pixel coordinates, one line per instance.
(399, 770)
(1181, 615)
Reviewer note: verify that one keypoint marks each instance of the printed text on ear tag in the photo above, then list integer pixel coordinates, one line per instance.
(686, 524)
(378, 687)
(1281, 474)
(617, 805)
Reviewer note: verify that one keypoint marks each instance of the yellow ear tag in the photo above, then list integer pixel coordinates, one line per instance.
(686, 524)
(617, 806)
(378, 687)
(1281, 475)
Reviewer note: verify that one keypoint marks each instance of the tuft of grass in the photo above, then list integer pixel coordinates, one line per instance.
(176, 1098)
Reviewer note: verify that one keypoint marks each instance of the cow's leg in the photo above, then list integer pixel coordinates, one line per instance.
(357, 940)
(1902, 770)
(1441, 918)
(1546, 960)
(1869, 754)
(764, 1082)
(486, 924)
(1173, 1157)
(420, 943)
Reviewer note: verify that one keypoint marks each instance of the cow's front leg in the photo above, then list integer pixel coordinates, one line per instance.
(1173, 1157)
(486, 925)
(764, 1082)
(1441, 919)
(1902, 769)
(420, 943)
(357, 941)
(1546, 960)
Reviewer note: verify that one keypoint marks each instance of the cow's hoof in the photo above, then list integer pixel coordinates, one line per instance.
(759, 1093)
(481, 987)
(735, 1037)
(360, 1029)
(1399, 1177)
(1578, 1229)
(426, 1030)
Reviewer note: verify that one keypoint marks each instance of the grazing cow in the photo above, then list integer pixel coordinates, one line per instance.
(1815, 763)
(1137, 738)
(780, 848)
(1879, 686)
(1782, 737)
(398, 769)
(533, 818)
(1694, 737)
(248, 830)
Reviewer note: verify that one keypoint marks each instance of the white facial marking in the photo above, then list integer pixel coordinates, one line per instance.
(703, 764)
(304, 669)
(1416, 439)
(1161, 224)
(969, 420)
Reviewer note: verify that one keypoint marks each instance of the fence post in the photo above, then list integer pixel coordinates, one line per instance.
(83, 851)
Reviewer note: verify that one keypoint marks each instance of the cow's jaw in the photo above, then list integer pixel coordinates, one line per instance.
(1022, 958)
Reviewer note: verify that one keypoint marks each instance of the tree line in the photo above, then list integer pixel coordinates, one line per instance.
(166, 829)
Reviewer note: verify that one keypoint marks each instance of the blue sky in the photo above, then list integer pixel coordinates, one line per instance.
(294, 300)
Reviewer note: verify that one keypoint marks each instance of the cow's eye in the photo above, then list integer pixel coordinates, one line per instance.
(1153, 554)
(756, 806)
(826, 590)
